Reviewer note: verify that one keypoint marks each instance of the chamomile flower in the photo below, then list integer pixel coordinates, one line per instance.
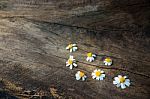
(108, 61)
(72, 47)
(80, 76)
(90, 57)
(98, 74)
(121, 81)
(71, 62)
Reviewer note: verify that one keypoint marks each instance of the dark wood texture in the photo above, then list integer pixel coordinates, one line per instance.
(34, 34)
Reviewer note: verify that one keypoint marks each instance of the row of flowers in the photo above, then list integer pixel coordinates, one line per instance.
(97, 74)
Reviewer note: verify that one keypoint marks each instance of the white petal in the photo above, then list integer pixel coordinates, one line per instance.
(103, 75)
(109, 64)
(97, 78)
(93, 73)
(118, 85)
(101, 78)
(71, 50)
(123, 86)
(92, 58)
(115, 82)
(119, 76)
(73, 60)
(74, 44)
(95, 70)
(117, 79)
(71, 57)
(94, 55)
(87, 59)
(78, 78)
(74, 49)
(127, 83)
(83, 78)
(125, 77)
(78, 72)
(94, 77)
(127, 80)
(77, 75)
(102, 71)
(74, 64)
(99, 70)
(71, 66)
(67, 47)
(106, 63)
(67, 65)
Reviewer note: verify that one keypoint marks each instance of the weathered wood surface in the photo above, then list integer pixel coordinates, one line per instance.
(34, 32)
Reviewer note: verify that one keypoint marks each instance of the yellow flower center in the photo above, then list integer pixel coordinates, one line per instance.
(81, 74)
(89, 54)
(108, 60)
(97, 73)
(122, 79)
(70, 61)
(70, 46)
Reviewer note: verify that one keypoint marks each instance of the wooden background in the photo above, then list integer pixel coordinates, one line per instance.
(34, 34)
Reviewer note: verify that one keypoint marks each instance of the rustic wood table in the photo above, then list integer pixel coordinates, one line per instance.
(35, 33)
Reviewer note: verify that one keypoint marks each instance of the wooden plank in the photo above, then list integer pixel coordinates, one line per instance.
(34, 34)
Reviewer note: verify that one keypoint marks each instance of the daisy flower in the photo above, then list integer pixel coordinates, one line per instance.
(98, 74)
(80, 75)
(72, 47)
(90, 57)
(108, 61)
(121, 81)
(71, 62)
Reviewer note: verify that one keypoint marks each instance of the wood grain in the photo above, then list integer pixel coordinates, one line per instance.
(34, 34)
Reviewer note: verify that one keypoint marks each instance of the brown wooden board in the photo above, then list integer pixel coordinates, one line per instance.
(35, 33)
